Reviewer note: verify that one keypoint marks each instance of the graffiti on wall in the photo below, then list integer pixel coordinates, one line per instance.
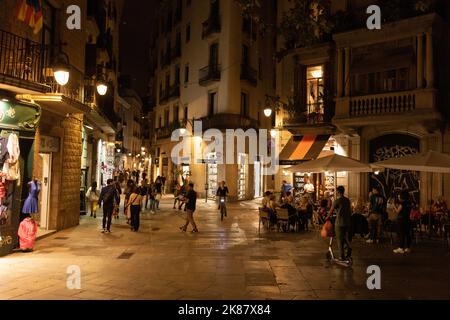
(392, 181)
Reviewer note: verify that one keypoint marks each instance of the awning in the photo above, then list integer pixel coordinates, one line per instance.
(302, 148)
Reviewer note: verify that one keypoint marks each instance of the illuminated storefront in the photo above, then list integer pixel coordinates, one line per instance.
(18, 123)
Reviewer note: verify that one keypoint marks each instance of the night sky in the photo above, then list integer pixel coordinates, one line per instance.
(135, 42)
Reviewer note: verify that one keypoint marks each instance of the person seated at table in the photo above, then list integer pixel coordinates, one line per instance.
(323, 211)
(305, 211)
(288, 203)
(288, 198)
(327, 197)
(266, 200)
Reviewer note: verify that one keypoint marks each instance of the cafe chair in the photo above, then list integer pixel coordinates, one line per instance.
(264, 219)
(282, 218)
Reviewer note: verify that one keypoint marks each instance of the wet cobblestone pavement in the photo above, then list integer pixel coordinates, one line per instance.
(226, 260)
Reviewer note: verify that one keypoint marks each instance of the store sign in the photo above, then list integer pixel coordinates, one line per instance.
(49, 144)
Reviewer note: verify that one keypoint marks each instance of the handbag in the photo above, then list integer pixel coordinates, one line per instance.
(327, 230)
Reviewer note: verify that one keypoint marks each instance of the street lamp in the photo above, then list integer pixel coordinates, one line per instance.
(102, 88)
(268, 112)
(61, 68)
(273, 133)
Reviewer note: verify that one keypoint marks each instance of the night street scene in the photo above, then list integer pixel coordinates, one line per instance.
(249, 151)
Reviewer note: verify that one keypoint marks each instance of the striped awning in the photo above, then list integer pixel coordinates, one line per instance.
(302, 148)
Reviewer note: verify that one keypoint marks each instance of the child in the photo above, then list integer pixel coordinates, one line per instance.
(27, 234)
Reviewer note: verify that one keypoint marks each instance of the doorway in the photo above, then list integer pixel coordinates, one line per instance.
(46, 160)
(259, 179)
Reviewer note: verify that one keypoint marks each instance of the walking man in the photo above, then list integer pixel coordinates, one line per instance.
(342, 208)
(190, 200)
(109, 197)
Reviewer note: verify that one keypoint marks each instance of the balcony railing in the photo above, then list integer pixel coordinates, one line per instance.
(22, 59)
(301, 118)
(209, 73)
(211, 26)
(249, 74)
(382, 104)
(166, 132)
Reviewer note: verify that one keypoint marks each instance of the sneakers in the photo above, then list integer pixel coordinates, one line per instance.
(103, 230)
(369, 241)
(195, 231)
(182, 229)
(399, 250)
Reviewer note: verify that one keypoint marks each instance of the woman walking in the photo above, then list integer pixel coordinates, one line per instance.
(403, 210)
(92, 195)
(135, 204)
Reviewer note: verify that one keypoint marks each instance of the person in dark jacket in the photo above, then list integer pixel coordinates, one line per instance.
(108, 197)
(343, 209)
(403, 210)
(191, 200)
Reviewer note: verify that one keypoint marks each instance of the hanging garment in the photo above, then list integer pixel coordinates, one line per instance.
(3, 149)
(3, 215)
(11, 165)
(31, 203)
(27, 233)
(2, 190)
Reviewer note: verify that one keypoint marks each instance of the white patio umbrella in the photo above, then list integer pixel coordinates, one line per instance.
(431, 161)
(333, 163)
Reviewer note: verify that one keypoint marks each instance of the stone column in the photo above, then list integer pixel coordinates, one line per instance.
(347, 72)
(340, 73)
(430, 62)
(420, 61)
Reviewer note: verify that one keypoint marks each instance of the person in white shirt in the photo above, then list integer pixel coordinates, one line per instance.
(92, 195)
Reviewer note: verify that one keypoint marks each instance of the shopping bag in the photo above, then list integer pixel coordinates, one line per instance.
(327, 230)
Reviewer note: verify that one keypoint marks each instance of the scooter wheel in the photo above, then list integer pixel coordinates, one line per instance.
(328, 255)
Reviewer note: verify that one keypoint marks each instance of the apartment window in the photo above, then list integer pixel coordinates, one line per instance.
(212, 103)
(260, 68)
(186, 74)
(186, 112)
(178, 40)
(167, 81)
(315, 92)
(378, 82)
(176, 114)
(214, 54)
(166, 118)
(177, 75)
(188, 33)
(245, 55)
(215, 8)
(244, 104)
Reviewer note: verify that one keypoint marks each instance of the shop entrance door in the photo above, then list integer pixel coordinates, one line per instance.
(46, 159)
(258, 179)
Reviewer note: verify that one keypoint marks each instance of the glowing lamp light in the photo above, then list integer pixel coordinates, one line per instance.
(61, 75)
(273, 133)
(102, 88)
(317, 73)
(129, 154)
(118, 150)
(268, 112)
(377, 172)
(182, 131)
